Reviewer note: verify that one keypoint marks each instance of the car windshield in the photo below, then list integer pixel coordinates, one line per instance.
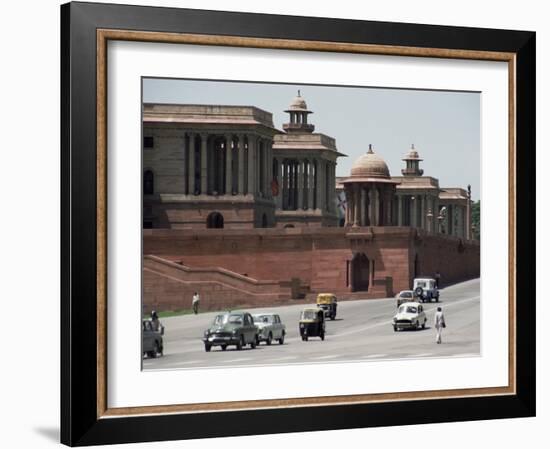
(407, 309)
(227, 318)
(263, 319)
(309, 314)
(406, 295)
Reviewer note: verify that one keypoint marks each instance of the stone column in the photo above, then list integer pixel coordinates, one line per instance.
(228, 165)
(268, 169)
(300, 184)
(184, 161)
(356, 205)
(204, 165)
(279, 197)
(240, 182)
(318, 186)
(388, 206)
(377, 218)
(414, 214)
(363, 201)
(251, 164)
(191, 177)
(400, 210)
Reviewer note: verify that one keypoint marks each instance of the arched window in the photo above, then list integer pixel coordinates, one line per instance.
(214, 220)
(148, 183)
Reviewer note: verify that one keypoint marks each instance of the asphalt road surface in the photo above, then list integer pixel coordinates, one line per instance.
(362, 331)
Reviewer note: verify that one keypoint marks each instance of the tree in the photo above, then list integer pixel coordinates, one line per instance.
(476, 219)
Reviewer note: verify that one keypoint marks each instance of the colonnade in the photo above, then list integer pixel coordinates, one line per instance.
(305, 184)
(227, 164)
(369, 204)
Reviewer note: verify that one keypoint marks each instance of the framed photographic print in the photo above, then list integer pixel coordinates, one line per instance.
(282, 224)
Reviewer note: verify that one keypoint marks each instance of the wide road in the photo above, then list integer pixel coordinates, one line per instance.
(361, 331)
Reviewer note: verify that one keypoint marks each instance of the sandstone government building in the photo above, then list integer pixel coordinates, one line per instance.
(249, 215)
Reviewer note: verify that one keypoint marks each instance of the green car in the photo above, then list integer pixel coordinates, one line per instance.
(231, 328)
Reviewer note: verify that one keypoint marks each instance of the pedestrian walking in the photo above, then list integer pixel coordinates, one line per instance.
(437, 278)
(439, 324)
(196, 301)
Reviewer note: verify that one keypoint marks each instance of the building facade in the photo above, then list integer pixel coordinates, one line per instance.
(207, 166)
(226, 172)
(305, 171)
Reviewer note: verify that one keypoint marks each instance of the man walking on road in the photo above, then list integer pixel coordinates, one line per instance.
(196, 301)
(439, 324)
(437, 278)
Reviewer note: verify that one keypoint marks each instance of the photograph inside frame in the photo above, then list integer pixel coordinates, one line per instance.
(299, 224)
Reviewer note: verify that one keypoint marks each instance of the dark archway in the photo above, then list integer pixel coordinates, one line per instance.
(288, 226)
(214, 220)
(359, 273)
(416, 266)
(148, 183)
(264, 221)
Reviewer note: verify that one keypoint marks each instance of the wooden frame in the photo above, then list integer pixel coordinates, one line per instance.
(86, 29)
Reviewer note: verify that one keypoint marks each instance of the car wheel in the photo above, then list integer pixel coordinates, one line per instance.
(424, 325)
(224, 347)
(207, 347)
(240, 343)
(269, 339)
(282, 339)
(395, 328)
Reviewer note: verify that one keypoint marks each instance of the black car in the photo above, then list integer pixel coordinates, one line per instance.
(153, 345)
(231, 328)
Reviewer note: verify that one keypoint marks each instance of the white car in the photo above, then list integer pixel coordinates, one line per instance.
(404, 296)
(269, 327)
(410, 315)
(425, 289)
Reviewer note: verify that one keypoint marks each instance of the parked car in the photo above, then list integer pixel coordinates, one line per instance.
(410, 315)
(327, 302)
(404, 296)
(231, 328)
(153, 345)
(425, 289)
(312, 323)
(270, 327)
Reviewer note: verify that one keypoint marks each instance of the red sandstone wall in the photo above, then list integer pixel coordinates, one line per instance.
(455, 259)
(318, 256)
(168, 286)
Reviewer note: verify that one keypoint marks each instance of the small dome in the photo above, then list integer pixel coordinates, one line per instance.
(298, 104)
(412, 155)
(370, 165)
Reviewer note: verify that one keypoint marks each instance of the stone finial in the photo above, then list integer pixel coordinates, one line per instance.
(370, 149)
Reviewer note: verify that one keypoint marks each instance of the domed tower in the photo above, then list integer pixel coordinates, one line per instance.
(412, 159)
(298, 117)
(369, 192)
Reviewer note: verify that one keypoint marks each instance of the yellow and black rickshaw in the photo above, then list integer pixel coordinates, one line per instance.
(327, 302)
(312, 323)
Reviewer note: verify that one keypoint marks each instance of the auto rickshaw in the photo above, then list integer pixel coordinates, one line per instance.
(327, 302)
(312, 323)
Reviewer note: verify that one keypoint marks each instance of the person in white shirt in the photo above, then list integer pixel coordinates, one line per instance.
(439, 324)
(196, 301)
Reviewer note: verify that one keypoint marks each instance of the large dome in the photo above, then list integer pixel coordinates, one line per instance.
(370, 165)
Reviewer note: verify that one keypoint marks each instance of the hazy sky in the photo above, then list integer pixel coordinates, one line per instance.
(444, 126)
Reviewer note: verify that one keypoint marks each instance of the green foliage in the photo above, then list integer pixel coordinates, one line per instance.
(476, 219)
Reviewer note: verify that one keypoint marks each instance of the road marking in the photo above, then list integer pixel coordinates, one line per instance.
(237, 360)
(324, 357)
(428, 354)
(373, 356)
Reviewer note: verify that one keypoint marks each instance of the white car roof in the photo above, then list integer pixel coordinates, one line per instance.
(415, 304)
(424, 279)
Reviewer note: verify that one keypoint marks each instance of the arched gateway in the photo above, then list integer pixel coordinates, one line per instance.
(214, 220)
(359, 272)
